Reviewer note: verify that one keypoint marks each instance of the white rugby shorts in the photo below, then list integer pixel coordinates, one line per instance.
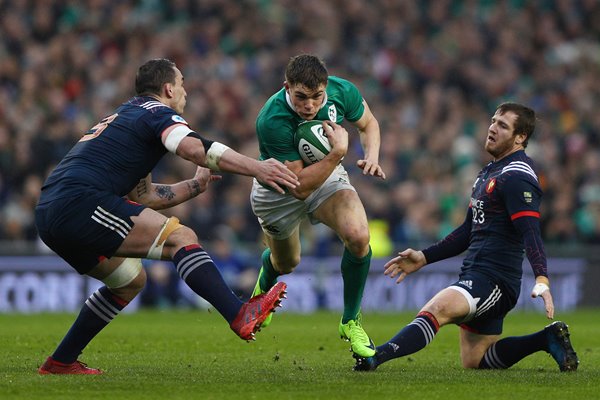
(280, 214)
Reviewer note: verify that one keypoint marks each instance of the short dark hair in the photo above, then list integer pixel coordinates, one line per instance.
(525, 123)
(307, 70)
(152, 75)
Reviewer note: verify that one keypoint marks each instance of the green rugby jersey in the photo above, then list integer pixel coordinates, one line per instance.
(277, 121)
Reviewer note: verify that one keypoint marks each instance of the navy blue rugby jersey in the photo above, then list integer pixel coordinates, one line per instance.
(116, 153)
(504, 191)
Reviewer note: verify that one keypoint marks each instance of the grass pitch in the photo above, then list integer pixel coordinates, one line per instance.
(194, 355)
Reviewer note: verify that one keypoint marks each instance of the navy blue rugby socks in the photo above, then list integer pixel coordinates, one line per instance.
(99, 309)
(199, 272)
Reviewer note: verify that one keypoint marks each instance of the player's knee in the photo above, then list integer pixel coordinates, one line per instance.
(437, 308)
(128, 279)
(171, 237)
(138, 284)
(470, 362)
(442, 311)
(286, 265)
(134, 287)
(358, 243)
(184, 236)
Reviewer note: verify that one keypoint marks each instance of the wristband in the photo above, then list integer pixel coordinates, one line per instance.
(213, 155)
(539, 288)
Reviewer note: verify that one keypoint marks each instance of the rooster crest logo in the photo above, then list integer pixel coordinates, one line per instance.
(491, 185)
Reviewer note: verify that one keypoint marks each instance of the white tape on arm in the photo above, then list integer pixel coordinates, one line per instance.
(213, 155)
(175, 137)
(538, 289)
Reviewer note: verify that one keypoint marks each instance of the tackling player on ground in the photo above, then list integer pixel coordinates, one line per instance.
(502, 221)
(84, 214)
(324, 194)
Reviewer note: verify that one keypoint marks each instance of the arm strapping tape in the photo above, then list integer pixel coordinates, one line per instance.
(539, 288)
(213, 155)
(175, 137)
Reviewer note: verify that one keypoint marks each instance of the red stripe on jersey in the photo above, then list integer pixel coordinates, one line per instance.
(520, 214)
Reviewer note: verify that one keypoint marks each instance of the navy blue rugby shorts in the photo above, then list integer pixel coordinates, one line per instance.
(87, 229)
(490, 301)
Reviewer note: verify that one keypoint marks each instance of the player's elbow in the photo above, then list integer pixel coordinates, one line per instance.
(152, 202)
(192, 150)
(159, 206)
(155, 205)
(301, 192)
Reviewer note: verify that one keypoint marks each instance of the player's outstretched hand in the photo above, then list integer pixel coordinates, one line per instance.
(203, 177)
(275, 174)
(543, 290)
(407, 262)
(371, 168)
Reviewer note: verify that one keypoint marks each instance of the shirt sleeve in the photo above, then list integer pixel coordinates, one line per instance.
(160, 119)
(529, 228)
(522, 196)
(351, 98)
(276, 139)
(455, 243)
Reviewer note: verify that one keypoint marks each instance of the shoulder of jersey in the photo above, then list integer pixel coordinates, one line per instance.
(519, 167)
(152, 105)
(311, 141)
(156, 106)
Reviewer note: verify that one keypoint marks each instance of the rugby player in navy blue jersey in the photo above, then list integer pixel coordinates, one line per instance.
(502, 221)
(97, 211)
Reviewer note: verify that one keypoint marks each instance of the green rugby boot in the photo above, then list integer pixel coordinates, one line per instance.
(257, 290)
(360, 343)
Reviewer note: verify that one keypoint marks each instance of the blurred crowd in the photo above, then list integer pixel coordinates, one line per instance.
(433, 73)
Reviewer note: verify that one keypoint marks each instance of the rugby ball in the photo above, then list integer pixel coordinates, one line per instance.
(311, 141)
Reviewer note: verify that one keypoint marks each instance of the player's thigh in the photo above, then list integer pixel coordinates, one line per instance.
(285, 253)
(448, 306)
(106, 267)
(344, 213)
(336, 204)
(88, 229)
(490, 300)
(279, 216)
(147, 226)
(473, 346)
(154, 230)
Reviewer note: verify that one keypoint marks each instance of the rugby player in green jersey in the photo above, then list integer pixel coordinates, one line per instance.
(325, 194)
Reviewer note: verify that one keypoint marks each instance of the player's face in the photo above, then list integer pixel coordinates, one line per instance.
(501, 140)
(179, 94)
(307, 102)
